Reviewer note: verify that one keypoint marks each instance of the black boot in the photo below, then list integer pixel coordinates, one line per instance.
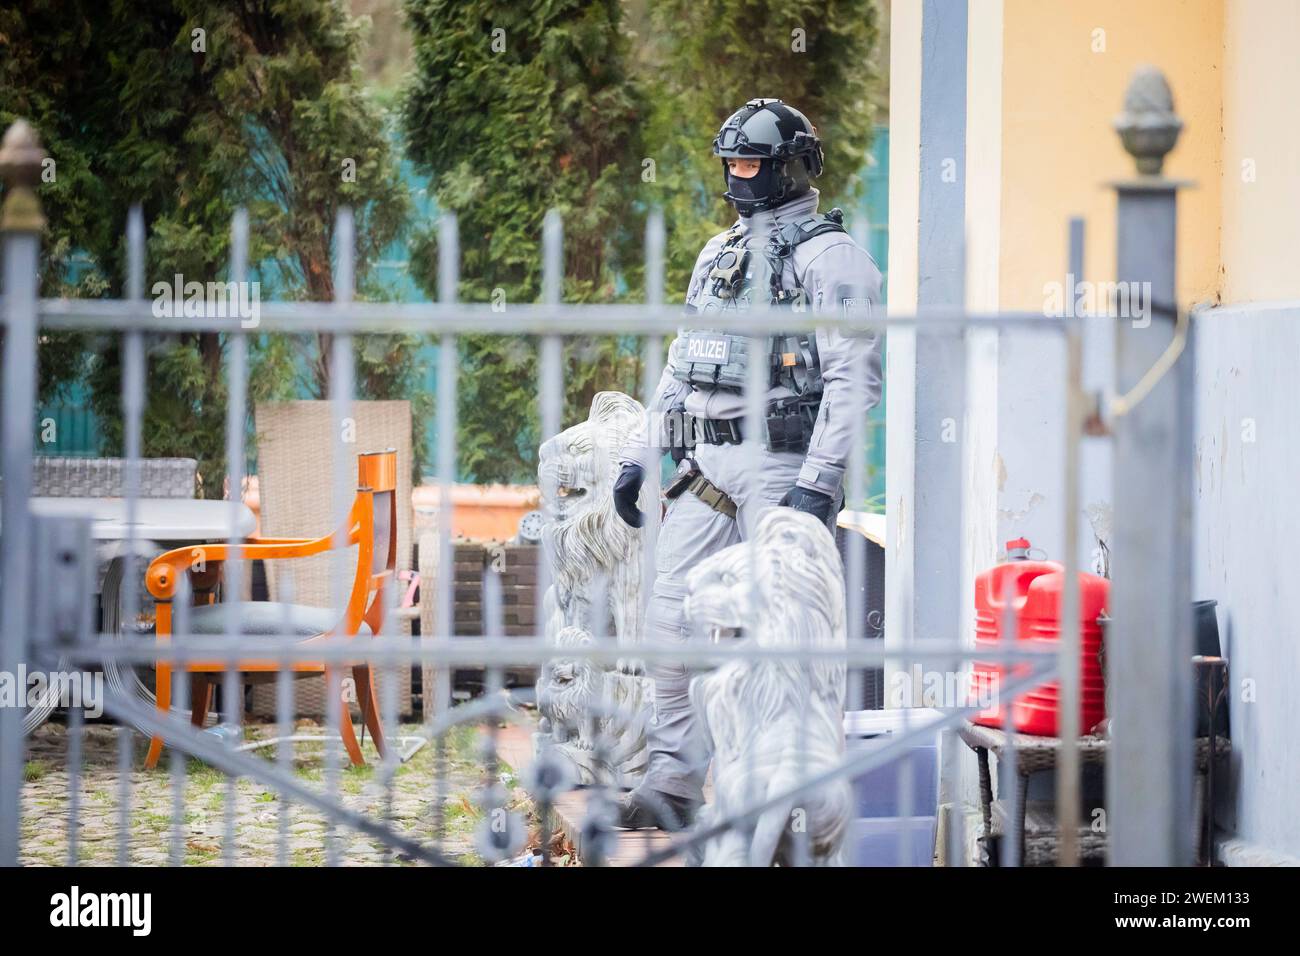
(646, 809)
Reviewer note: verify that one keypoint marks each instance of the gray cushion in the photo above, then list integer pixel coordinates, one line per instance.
(266, 619)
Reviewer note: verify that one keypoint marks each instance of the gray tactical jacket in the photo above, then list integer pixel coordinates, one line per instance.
(838, 276)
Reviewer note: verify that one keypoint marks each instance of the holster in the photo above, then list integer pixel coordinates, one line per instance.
(688, 478)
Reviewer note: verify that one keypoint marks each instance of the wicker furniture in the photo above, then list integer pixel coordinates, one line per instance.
(295, 441)
(106, 477)
(1035, 824)
(370, 527)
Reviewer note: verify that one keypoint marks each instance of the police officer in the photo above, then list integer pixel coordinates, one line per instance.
(780, 248)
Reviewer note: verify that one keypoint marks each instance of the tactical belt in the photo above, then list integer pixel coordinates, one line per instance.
(718, 431)
(712, 495)
(790, 425)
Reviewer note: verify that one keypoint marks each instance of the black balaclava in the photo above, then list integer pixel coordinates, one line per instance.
(775, 184)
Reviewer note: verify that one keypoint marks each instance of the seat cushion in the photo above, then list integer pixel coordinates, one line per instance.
(266, 619)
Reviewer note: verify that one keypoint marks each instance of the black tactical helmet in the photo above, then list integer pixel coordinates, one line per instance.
(786, 143)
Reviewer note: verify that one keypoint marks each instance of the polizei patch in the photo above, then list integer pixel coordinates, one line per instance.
(858, 307)
(711, 349)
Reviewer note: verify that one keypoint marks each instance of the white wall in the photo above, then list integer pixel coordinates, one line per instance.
(1247, 524)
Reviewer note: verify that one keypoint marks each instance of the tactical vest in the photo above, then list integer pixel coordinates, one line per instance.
(720, 360)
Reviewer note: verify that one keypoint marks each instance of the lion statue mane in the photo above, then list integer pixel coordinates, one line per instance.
(593, 717)
(773, 724)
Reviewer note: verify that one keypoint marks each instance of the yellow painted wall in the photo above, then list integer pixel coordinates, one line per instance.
(1059, 98)
(1261, 85)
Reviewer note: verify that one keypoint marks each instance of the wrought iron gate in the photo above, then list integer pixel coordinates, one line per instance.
(49, 560)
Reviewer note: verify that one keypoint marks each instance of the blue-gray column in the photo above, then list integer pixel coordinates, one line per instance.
(940, 378)
(929, 552)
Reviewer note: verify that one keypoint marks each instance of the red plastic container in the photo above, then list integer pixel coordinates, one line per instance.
(1033, 588)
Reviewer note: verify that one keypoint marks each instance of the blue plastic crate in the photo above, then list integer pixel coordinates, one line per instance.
(877, 792)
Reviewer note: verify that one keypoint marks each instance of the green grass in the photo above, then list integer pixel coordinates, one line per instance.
(155, 822)
(202, 775)
(34, 770)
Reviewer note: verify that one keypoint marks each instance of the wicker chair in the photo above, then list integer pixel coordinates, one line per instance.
(369, 527)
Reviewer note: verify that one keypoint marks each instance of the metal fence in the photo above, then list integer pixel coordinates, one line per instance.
(46, 617)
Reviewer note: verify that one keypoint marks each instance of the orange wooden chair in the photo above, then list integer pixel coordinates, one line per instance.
(371, 525)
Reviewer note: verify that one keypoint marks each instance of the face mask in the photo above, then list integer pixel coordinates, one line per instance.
(757, 192)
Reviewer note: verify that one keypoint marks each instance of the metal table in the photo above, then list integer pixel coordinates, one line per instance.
(160, 523)
(179, 520)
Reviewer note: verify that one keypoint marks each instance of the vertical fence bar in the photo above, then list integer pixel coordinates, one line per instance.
(448, 285)
(552, 368)
(21, 222)
(551, 383)
(344, 459)
(1009, 790)
(284, 718)
(76, 735)
(181, 601)
(387, 703)
(855, 484)
(133, 382)
(1149, 646)
(655, 427)
(945, 358)
(551, 401)
(233, 569)
(1068, 663)
(133, 404)
(124, 761)
(753, 435)
(494, 796)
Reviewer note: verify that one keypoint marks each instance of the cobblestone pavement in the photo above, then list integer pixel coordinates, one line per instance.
(258, 808)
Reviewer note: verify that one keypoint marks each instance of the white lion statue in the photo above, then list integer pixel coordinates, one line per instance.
(589, 546)
(773, 724)
(594, 717)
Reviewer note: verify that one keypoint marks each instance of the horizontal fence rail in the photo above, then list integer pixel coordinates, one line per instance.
(517, 319)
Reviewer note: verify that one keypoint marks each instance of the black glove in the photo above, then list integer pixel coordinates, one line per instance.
(813, 502)
(627, 488)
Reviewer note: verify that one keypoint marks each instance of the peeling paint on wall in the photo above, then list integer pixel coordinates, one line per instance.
(1020, 514)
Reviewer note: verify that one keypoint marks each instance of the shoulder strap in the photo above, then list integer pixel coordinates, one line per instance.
(797, 233)
(794, 234)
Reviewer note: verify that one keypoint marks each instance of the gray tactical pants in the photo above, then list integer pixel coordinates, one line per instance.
(692, 531)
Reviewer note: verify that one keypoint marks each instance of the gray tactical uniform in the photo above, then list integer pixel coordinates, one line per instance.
(838, 278)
